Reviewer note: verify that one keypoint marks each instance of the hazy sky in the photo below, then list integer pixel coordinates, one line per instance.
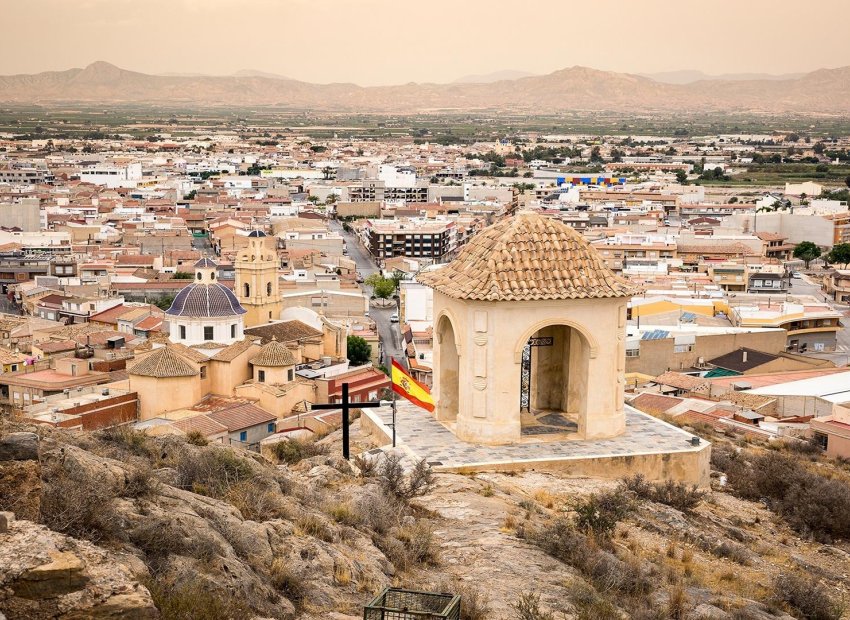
(397, 41)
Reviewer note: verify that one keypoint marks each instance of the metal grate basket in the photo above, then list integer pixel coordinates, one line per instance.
(398, 604)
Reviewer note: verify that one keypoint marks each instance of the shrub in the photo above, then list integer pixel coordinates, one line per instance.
(194, 600)
(600, 513)
(196, 438)
(674, 494)
(255, 500)
(212, 472)
(418, 541)
(343, 513)
(127, 439)
(736, 553)
(395, 484)
(527, 607)
(140, 483)
(288, 582)
(807, 597)
(589, 605)
(78, 504)
(809, 502)
(309, 524)
(157, 539)
(474, 604)
(292, 451)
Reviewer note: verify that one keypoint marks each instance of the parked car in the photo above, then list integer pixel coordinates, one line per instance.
(394, 317)
(797, 275)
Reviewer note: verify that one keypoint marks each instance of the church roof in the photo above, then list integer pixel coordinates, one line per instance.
(527, 257)
(256, 233)
(205, 263)
(205, 300)
(274, 354)
(163, 362)
(284, 331)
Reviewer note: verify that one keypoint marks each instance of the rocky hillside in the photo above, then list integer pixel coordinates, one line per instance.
(119, 525)
(576, 88)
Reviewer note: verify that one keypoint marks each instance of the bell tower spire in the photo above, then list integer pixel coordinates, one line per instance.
(257, 286)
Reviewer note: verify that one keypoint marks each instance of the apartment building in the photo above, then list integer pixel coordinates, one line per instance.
(810, 325)
(435, 240)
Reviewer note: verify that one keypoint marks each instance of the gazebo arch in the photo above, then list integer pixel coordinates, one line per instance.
(533, 329)
(448, 368)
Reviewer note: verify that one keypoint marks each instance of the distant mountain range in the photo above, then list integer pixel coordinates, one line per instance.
(573, 89)
(687, 76)
(495, 76)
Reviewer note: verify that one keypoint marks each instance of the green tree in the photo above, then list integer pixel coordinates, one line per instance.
(384, 288)
(359, 351)
(183, 275)
(847, 181)
(682, 177)
(164, 302)
(840, 254)
(807, 251)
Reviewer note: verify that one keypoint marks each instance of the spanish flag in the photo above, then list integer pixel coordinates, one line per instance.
(410, 388)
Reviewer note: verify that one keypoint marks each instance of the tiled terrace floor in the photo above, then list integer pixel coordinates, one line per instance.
(423, 435)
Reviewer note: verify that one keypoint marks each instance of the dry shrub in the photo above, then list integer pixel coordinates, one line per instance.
(810, 503)
(288, 582)
(395, 484)
(365, 464)
(563, 541)
(735, 552)
(527, 607)
(378, 513)
(590, 605)
(157, 539)
(342, 512)
(474, 604)
(807, 597)
(128, 440)
(678, 604)
(674, 494)
(342, 574)
(140, 482)
(212, 472)
(292, 451)
(78, 504)
(196, 438)
(419, 544)
(255, 500)
(600, 513)
(308, 524)
(194, 600)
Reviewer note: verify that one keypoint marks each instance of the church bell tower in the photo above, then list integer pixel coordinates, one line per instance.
(257, 281)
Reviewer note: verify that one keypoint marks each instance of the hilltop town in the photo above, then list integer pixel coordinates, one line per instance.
(636, 346)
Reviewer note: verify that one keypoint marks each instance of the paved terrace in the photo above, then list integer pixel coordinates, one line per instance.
(423, 435)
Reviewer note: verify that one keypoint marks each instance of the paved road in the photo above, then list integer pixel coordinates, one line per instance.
(389, 334)
(841, 356)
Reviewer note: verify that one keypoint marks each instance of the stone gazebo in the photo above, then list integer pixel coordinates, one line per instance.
(530, 336)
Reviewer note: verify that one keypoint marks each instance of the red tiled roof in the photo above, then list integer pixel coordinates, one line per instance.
(655, 402)
(242, 416)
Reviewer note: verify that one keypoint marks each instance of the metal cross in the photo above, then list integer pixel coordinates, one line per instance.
(346, 406)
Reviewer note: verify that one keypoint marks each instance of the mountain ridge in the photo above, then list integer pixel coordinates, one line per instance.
(574, 88)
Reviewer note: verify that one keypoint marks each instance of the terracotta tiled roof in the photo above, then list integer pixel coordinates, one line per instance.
(649, 402)
(274, 354)
(233, 351)
(241, 416)
(163, 362)
(680, 381)
(189, 352)
(285, 331)
(200, 423)
(527, 257)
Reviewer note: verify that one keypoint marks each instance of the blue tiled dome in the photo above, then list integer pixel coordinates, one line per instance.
(200, 300)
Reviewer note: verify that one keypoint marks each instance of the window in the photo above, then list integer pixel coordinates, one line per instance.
(233, 331)
(821, 440)
(679, 348)
(203, 372)
(247, 288)
(290, 374)
(199, 275)
(182, 332)
(261, 376)
(269, 288)
(270, 427)
(243, 435)
(208, 332)
(632, 352)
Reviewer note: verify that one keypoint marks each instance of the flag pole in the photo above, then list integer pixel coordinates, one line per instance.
(392, 359)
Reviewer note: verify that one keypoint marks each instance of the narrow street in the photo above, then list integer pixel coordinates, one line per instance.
(389, 333)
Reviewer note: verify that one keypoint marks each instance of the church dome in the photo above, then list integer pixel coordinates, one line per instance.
(528, 257)
(205, 300)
